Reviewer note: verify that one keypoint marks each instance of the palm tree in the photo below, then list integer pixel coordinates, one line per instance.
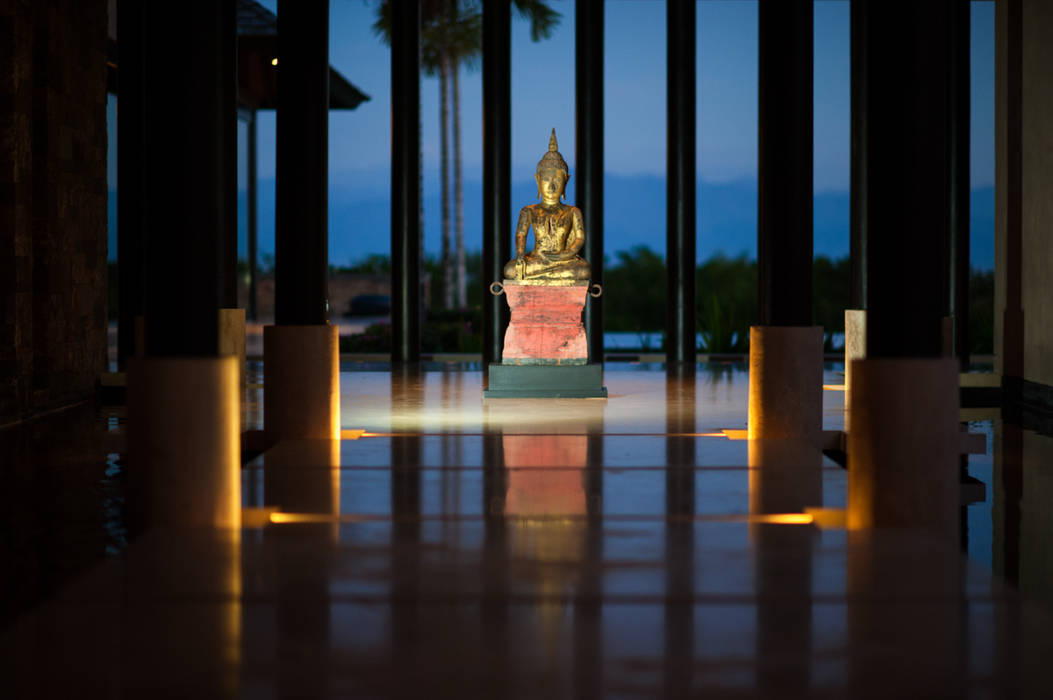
(451, 35)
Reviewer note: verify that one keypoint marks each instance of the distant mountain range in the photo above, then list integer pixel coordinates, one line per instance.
(359, 221)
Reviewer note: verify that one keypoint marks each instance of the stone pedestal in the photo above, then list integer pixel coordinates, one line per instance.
(546, 352)
(546, 327)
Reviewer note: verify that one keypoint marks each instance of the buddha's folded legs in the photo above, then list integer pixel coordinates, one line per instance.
(573, 269)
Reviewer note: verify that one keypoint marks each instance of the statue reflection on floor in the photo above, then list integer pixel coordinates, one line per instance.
(544, 499)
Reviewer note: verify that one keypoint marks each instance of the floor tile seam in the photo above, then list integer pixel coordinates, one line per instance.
(406, 596)
(351, 518)
(534, 467)
(708, 434)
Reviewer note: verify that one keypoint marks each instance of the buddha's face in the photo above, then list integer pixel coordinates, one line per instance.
(551, 183)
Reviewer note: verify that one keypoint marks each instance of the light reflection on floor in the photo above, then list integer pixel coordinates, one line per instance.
(514, 548)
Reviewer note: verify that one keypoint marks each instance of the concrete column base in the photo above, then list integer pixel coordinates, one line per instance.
(903, 450)
(855, 342)
(232, 337)
(184, 444)
(786, 383)
(301, 383)
(855, 349)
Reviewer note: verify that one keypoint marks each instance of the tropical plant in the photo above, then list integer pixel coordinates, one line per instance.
(451, 36)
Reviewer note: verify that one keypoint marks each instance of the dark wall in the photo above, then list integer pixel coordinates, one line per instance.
(52, 203)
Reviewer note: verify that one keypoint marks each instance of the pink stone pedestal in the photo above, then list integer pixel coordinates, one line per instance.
(546, 327)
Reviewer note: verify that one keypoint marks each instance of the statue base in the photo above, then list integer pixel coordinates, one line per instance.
(537, 381)
(545, 327)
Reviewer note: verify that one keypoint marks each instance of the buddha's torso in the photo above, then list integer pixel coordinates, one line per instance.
(551, 227)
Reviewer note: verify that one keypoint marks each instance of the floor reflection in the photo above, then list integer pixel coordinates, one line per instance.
(521, 548)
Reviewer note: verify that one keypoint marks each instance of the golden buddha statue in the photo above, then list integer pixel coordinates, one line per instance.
(559, 232)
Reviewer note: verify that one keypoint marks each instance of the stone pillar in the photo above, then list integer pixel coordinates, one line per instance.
(855, 316)
(858, 165)
(301, 355)
(680, 182)
(903, 452)
(405, 181)
(1009, 305)
(588, 26)
(183, 410)
(131, 183)
(497, 110)
(786, 350)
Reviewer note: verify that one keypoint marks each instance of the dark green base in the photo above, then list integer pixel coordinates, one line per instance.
(546, 382)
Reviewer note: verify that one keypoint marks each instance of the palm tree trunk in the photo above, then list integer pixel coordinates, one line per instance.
(458, 189)
(444, 157)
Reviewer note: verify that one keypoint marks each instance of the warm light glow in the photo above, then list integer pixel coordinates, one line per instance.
(828, 518)
(784, 519)
(351, 434)
(282, 518)
(274, 61)
(833, 387)
(255, 518)
(737, 434)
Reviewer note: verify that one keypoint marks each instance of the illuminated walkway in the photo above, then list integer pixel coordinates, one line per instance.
(451, 547)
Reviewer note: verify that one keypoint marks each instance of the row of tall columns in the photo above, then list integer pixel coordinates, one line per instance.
(178, 214)
(909, 246)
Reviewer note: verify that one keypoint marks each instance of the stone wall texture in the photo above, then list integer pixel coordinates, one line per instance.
(52, 203)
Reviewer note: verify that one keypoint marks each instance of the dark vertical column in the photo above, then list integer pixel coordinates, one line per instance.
(191, 125)
(405, 181)
(1013, 331)
(588, 25)
(253, 211)
(680, 181)
(858, 166)
(131, 168)
(301, 236)
(227, 130)
(908, 168)
(958, 292)
(497, 138)
(784, 169)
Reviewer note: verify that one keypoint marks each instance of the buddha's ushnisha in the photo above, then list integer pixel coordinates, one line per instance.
(559, 232)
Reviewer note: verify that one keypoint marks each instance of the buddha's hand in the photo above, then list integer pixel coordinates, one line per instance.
(520, 267)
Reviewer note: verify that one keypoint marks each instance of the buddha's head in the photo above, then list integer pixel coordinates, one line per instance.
(552, 173)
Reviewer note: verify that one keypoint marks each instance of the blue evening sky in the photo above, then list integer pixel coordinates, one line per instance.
(634, 81)
(634, 152)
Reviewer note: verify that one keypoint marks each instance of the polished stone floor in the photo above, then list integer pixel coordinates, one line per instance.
(449, 546)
